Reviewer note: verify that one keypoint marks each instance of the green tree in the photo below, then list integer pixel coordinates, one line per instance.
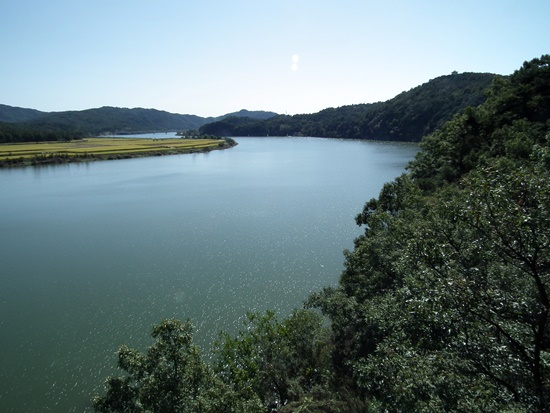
(443, 302)
(445, 307)
(275, 362)
(489, 259)
(170, 378)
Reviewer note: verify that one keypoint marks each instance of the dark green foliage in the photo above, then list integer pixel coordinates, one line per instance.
(243, 113)
(512, 121)
(227, 126)
(12, 133)
(493, 245)
(276, 362)
(118, 120)
(444, 301)
(267, 365)
(14, 114)
(413, 114)
(170, 378)
(407, 117)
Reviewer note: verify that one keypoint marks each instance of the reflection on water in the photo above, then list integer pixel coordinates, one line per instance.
(94, 254)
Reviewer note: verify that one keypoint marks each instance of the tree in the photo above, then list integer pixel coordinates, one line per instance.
(492, 256)
(170, 378)
(275, 362)
(443, 304)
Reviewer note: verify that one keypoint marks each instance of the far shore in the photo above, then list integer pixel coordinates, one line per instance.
(92, 149)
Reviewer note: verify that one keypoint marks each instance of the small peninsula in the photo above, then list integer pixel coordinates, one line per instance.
(91, 149)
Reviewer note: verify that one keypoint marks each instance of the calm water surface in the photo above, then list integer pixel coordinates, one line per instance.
(93, 254)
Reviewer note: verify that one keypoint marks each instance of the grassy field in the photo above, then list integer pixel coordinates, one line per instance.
(100, 148)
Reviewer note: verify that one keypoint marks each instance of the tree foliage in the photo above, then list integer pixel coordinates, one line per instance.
(13, 133)
(443, 303)
(171, 377)
(267, 365)
(276, 362)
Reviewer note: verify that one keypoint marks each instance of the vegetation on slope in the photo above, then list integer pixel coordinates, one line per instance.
(407, 117)
(15, 132)
(28, 125)
(117, 120)
(443, 305)
(11, 114)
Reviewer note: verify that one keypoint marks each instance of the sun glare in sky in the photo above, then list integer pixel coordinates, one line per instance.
(295, 59)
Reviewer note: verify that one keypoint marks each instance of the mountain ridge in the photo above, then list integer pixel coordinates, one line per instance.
(110, 119)
(406, 117)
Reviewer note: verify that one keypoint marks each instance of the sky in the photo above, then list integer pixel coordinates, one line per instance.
(209, 58)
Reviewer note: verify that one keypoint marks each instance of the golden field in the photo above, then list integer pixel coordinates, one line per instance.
(101, 148)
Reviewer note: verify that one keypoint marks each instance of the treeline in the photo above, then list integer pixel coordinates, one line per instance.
(443, 305)
(15, 132)
(407, 117)
(93, 122)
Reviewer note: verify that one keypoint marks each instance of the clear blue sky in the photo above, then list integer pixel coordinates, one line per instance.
(288, 56)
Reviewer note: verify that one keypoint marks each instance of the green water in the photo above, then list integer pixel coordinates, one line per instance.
(93, 254)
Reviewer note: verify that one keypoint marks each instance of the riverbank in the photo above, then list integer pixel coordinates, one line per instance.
(92, 149)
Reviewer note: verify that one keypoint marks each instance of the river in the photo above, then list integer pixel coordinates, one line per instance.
(92, 254)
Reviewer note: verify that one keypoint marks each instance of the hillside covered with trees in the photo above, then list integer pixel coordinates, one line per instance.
(407, 117)
(28, 125)
(443, 305)
(12, 114)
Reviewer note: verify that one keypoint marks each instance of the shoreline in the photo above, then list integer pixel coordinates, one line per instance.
(39, 157)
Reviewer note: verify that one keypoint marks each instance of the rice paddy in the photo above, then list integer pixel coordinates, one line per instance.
(100, 148)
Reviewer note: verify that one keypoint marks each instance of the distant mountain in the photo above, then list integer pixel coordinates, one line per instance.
(116, 120)
(243, 113)
(407, 117)
(123, 120)
(21, 124)
(13, 114)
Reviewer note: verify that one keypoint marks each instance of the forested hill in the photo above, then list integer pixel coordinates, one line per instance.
(407, 117)
(19, 124)
(443, 304)
(117, 120)
(13, 114)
